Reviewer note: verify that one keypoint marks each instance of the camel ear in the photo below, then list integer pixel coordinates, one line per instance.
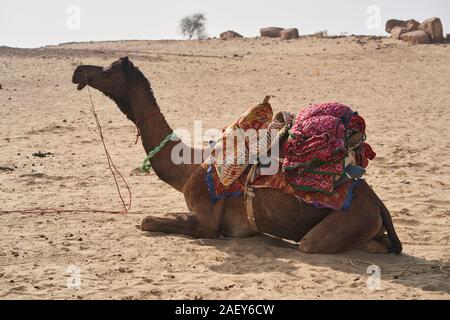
(125, 63)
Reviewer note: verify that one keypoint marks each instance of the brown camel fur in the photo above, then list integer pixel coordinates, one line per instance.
(279, 214)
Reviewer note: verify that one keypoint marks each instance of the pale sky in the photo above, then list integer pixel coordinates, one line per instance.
(31, 23)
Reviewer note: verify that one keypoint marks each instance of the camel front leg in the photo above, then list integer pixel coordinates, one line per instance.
(185, 224)
(203, 225)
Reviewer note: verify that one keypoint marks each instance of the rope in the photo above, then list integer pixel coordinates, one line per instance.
(56, 210)
(146, 165)
(138, 131)
(112, 168)
(111, 164)
(361, 261)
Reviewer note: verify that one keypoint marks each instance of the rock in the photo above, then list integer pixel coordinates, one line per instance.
(271, 32)
(6, 168)
(40, 154)
(230, 35)
(392, 23)
(1, 86)
(321, 34)
(416, 37)
(412, 25)
(396, 32)
(433, 27)
(288, 34)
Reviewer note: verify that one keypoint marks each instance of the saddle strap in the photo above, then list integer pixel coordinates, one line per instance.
(249, 195)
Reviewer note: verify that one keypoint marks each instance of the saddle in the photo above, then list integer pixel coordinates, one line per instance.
(319, 152)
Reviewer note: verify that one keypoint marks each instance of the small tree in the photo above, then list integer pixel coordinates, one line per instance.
(193, 25)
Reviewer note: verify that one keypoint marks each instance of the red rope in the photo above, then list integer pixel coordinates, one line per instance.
(138, 131)
(111, 164)
(56, 210)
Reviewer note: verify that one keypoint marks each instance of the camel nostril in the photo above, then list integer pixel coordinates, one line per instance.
(80, 79)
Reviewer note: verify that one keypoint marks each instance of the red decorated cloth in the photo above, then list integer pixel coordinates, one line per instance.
(315, 151)
(340, 200)
(321, 141)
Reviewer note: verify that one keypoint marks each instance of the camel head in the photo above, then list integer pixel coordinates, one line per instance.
(115, 81)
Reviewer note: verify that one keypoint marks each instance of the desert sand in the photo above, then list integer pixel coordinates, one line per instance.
(401, 90)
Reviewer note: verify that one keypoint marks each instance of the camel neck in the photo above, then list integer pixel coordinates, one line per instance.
(154, 129)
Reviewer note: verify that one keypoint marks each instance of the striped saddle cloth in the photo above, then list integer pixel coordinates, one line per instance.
(240, 143)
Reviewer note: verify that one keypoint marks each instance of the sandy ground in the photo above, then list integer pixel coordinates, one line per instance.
(401, 90)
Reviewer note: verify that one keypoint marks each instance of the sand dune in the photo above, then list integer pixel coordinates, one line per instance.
(401, 90)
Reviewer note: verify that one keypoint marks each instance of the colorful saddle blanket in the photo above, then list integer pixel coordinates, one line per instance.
(230, 155)
(323, 140)
(340, 200)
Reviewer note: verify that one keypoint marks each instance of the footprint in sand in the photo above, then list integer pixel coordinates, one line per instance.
(37, 175)
(436, 285)
(408, 222)
(20, 288)
(52, 129)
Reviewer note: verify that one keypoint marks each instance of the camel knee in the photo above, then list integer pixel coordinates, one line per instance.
(207, 228)
(373, 223)
(203, 233)
(306, 247)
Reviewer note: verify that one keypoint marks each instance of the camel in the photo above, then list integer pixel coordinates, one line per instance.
(366, 225)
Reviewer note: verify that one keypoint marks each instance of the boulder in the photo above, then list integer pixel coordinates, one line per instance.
(412, 25)
(433, 27)
(392, 23)
(396, 32)
(271, 32)
(416, 37)
(288, 34)
(230, 35)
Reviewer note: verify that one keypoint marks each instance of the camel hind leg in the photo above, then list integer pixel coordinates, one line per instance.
(373, 246)
(352, 229)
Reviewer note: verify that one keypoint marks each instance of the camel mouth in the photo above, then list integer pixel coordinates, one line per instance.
(84, 74)
(81, 86)
(79, 79)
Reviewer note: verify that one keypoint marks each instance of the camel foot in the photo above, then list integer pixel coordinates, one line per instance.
(151, 224)
(186, 224)
(386, 241)
(373, 246)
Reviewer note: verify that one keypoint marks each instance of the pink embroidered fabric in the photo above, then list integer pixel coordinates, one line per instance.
(317, 146)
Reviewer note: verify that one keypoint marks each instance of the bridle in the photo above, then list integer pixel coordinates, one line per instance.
(138, 131)
(146, 166)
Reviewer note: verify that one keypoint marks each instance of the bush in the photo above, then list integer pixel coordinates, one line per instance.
(193, 25)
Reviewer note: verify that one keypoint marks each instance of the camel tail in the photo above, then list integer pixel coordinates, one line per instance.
(389, 226)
